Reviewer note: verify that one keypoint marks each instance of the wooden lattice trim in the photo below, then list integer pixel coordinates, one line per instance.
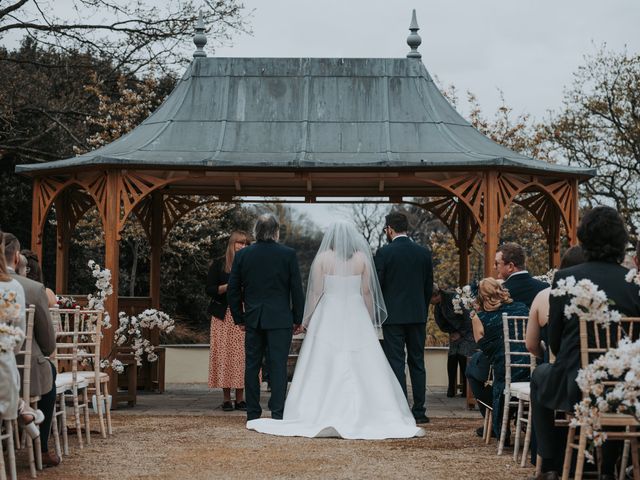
(451, 212)
(71, 205)
(174, 207)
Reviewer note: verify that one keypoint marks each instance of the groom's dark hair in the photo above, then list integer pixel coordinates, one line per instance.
(266, 228)
(398, 221)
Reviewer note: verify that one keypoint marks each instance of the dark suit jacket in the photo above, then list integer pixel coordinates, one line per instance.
(405, 272)
(44, 336)
(266, 278)
(524, 288)
(216, 277)
(559, 389)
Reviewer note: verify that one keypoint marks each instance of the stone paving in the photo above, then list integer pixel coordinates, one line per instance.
(198, 399)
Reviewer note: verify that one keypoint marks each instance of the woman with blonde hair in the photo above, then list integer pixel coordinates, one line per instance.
(491, 302)
(226, 354)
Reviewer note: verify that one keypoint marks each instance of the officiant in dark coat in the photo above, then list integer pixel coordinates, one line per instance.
(405, 272)
(603, 238)
(266, 298)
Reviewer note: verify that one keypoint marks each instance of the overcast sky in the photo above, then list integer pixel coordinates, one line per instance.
(527, 49)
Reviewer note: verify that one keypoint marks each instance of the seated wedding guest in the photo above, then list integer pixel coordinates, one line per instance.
(43, 373)
(492, 301)
(603, 237)
(510, 265)
(536, 337)
(226, 354)
(461, 343)
(21, 269)
(9, 376)
(34, 272)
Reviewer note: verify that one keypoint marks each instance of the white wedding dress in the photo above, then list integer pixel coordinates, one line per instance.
(343, 385)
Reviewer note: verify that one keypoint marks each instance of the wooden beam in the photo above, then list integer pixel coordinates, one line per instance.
(491, 223)
(37, 226)
(111, 262)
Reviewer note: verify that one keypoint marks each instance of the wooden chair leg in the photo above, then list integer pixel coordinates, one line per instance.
(582, 447)
(3, 473)
(11, 451)
(107, 407)
(76, 415)
(505, 422)
(634, 458)
(31, 457)
(101, 404)
(56, 432)
(489, 426)
(87, 422)
(516, 442)
(568, 453)
(527, 439)
(65, 435)
(624, 460)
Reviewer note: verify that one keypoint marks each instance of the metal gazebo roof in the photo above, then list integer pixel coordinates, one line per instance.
(311, 113)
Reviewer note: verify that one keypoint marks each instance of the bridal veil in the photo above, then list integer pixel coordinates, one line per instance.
(345, 252)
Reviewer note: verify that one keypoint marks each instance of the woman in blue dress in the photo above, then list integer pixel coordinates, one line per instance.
(492, 301)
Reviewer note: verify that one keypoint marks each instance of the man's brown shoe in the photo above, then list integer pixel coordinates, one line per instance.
(50, 459)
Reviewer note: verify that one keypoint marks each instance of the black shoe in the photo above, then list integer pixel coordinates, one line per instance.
(423, 419)
(227, 407)
(242, 406)
(451, 392)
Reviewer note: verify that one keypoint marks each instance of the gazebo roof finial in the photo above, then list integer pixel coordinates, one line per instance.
(199, 38)
(414, 40)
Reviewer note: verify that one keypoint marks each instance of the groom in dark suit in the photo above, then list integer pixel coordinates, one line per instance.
(265, 297)
(405, 272)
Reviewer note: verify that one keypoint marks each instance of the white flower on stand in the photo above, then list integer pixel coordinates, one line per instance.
(463, 300)
(10, 335)
(611, 383)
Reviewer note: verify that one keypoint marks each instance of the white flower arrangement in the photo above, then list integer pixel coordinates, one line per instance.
(10, 335)
(129, 331)
(633, 276)
(547, 277)
(587, 301)
(611, 383)
(104, 289)
(620, 369)
(463, 300)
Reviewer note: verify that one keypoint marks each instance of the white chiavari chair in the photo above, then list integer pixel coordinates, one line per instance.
(67, 352)
(90, 330)
(516, 357)
(23, 361)
(596, 341)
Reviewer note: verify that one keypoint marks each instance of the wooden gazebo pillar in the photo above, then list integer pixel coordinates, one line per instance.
(156, 248)
(463, 246)
(491, 222)
(111, 214)
(63, 210)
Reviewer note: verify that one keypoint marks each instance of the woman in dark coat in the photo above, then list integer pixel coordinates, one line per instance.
(226, 353)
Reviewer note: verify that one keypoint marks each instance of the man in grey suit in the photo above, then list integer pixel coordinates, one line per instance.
(43, 373)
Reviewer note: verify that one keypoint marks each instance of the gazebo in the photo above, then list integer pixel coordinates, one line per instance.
(310, 128)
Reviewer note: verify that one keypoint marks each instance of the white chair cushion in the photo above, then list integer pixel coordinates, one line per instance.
(65, 380)
(519, 389)
(90, 376)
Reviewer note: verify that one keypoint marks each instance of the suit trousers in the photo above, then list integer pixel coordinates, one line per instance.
(412, 336)
(275, 343)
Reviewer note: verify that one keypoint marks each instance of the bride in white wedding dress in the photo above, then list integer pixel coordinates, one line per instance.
(343, 385)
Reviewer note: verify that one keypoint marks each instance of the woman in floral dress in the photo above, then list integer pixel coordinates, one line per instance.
(226, 353)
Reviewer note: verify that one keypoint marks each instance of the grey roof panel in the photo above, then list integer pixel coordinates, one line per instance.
(308, 113)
